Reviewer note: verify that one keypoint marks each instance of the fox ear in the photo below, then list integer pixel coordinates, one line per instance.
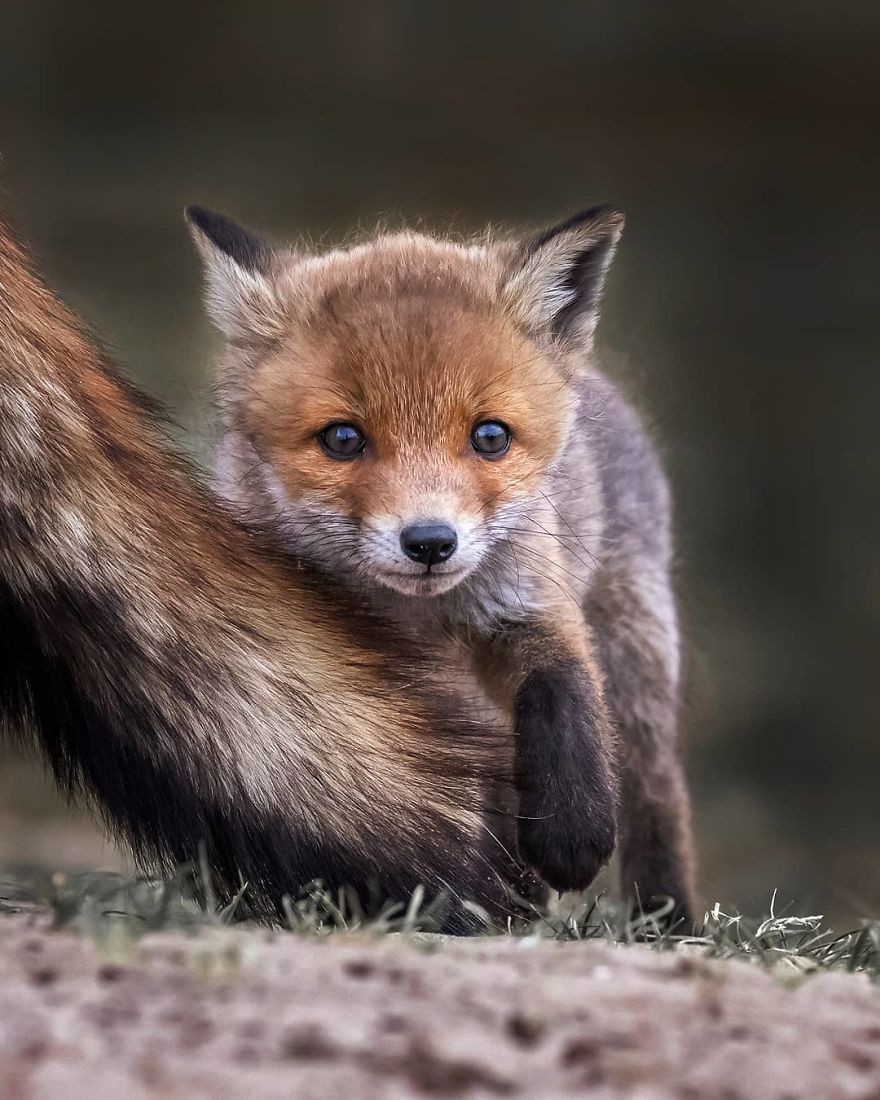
(557, 277)
(239, 292)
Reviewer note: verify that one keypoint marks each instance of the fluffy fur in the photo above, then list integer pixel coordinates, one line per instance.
(558, 595)
(195, 684)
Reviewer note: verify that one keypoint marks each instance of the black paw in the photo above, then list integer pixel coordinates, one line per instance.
(567, 823)
(566, 844)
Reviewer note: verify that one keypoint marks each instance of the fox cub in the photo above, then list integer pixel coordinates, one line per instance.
(424, 420)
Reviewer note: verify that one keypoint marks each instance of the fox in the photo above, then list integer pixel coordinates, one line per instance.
(190, 682)
(426, 421)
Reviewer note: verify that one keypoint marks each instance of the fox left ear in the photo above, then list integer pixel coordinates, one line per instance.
(557, 277)
(239, 291)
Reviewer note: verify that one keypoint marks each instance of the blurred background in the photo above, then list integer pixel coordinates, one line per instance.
(742, 312)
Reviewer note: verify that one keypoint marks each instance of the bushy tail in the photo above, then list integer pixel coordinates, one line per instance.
(196, 687)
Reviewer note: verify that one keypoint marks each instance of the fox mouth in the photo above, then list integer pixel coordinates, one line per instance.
(428, 582)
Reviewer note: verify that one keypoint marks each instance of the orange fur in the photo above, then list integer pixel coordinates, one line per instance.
(418, 402)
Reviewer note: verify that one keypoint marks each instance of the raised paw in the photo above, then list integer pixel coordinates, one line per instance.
(566, 842)
(567, 822)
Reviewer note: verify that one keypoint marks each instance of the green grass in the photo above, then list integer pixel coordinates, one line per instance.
(103, 904)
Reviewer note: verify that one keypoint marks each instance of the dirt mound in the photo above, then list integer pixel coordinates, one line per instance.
(257, 1014)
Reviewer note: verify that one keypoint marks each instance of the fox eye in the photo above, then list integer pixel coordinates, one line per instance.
(342, 440)
(490, 438)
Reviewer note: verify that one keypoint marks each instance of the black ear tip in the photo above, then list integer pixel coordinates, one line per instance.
(612, 216)
(605, 216)
(605, 221)
(247, 250)
(207, 221)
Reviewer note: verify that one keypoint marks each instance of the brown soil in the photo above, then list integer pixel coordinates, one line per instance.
(254, 1014)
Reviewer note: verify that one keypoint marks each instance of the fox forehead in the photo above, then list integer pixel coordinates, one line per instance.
(390, 266)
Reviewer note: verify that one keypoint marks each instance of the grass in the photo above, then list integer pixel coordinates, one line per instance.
(103, 904)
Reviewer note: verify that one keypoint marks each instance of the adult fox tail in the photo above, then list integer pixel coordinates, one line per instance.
(194, 686)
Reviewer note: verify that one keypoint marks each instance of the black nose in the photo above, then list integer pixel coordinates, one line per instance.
(428, 543)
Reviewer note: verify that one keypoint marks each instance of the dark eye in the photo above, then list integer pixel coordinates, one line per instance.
(490, 438)
(342, 440)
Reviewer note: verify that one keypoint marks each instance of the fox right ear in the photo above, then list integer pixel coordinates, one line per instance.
(558, 276)
(239, 292)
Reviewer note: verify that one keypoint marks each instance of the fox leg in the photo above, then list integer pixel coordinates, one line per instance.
(634, 624)
(563, 755)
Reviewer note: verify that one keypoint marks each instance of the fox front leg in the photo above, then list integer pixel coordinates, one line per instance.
(563, 766)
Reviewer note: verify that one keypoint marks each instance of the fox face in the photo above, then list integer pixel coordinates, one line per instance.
(404, 401)
(406, 441)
